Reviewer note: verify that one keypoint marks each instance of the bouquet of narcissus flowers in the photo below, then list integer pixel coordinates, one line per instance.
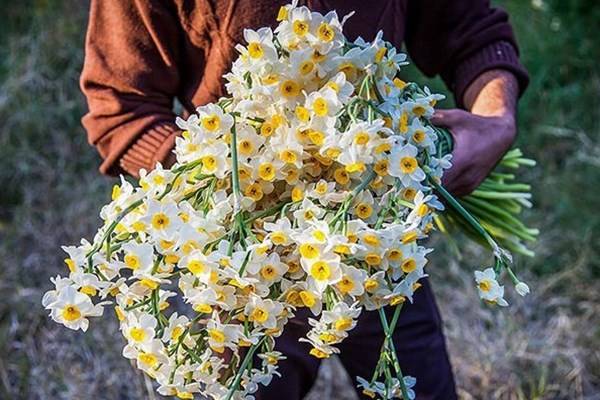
(313, 185)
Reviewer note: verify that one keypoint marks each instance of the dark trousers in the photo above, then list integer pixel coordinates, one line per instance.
(418, 339)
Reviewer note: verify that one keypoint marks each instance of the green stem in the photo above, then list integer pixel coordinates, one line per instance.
(245, 362)
(466, 216)
(389, 331)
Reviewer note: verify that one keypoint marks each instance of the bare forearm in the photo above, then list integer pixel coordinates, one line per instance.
(483, 135)
(493, 94)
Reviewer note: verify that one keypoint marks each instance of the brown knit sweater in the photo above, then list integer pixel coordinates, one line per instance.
(140, 55)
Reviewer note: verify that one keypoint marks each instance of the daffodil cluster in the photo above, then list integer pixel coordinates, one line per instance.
(311, 186)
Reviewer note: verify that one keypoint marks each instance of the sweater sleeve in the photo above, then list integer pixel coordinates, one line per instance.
(130, 79)
(459, 40)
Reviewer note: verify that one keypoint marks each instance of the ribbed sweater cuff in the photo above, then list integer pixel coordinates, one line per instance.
(152, 147)
(497, 55)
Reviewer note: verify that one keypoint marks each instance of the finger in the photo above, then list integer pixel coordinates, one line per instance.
(448, 118)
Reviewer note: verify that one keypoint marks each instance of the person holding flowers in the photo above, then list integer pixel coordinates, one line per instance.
(141, 56)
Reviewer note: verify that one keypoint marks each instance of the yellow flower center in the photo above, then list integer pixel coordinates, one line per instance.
(259, 315)
(149, 283)
(300, 28)
(148, 359)
(394, 254)
(306, 67)
(176, 333)
(71, 313)
(211, 122)
(409, 194)
(291, 176)
(70, 264)
(255, 50)
(346, 284)
(373, 259)
(349, 70)
(318, 353)
(320, 107)
(278, 237)
(203, 308)
(138, 226)
(282, 14)
(371, 239)
(319, 235)
(184, 395)
(320, 271)
(302, 113)
(419, 136)
(308, 299)
(297, 194)
(419, 110)
(343, 323)
(317, 137)
(355, 167)
(399, 83)
(308, 250)
(341, 176)
(325, 32)
(403, 122)
(381, 167)
(485, 285)
(196, 267)
(289, 89)
(137, 334)
(334, 86)
(423, 210)
(132, 261)
(363, 210)
(371, 285)
(408, 165)
(160, 221)
(332, 153)
(268, 272)
(380, 54)
(409, 265)
(266, 129)
(216, 335)
(321, 188)
(209, 163)
(266, 171)
(254, 191)
(246, 147)
(288, 156)
(361, 138)
(409, 237)
(89, 290)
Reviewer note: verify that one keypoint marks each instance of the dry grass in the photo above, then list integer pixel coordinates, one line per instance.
(546, 346)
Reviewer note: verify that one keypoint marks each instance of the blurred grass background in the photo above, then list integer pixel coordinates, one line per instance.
(546, 346)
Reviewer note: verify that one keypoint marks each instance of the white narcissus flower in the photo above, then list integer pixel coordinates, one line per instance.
(139, 328)
(323, 271)
(263, 312)
(404, 165)
(213, 121)
(72, 308)
(489, 288)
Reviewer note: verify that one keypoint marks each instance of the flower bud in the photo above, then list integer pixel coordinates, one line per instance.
(522, 288)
